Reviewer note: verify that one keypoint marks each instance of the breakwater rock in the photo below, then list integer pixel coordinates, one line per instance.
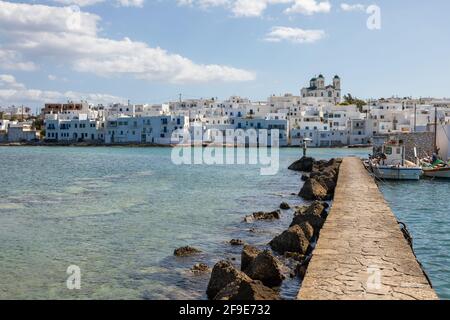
(305, 164)
(248, 255)
(247, 291)
(285, 206)
(266, 268)
(263, 270)
(291, 240)
(186, 251)
(228, 283)
(314, 216)
(200, 268)
(236, 242)
(274, 215)
(321, 182)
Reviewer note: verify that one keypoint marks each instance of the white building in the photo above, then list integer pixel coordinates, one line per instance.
(21, 131)
(318, 89)
(282, 125)
(17, 112)
(76, 128)
(163, 129)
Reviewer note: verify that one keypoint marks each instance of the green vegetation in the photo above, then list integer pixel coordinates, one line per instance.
(38, 124)
(349, 100)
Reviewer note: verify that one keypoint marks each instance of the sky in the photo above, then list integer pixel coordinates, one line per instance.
(150, 51)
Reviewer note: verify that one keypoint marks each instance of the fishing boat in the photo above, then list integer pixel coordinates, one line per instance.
(433, 167)
(390, 163)
(437, 172)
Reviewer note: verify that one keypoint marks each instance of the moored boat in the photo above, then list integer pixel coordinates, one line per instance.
(433, 167)
(390, 163)
(437, 172)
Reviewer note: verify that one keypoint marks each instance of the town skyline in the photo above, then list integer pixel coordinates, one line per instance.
(198, 49)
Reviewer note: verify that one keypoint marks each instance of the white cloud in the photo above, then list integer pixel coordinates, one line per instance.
(295, 35)
(256, 8)
(352, 7)
(80, 3)
(11, 60)
(86, 3)
(52, 77)
(8, 81)
(17, 18)
(309, 7)
(61, 35)
(131, 3)
(13, 92)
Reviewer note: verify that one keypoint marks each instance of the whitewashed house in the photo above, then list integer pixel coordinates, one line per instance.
(22, 131)
(162, 129)
(73, 128)
(282, 125)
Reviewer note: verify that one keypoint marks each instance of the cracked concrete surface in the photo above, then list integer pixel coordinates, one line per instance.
(361, 252)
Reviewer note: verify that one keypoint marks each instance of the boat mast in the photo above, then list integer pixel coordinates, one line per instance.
(435, 128)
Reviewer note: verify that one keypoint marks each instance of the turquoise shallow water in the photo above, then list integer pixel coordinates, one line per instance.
(118, 213)
(425, 208)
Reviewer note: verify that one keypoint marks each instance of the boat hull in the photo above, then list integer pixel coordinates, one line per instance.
(396, 173)
(441, 173)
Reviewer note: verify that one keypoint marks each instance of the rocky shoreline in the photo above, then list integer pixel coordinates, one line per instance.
(262, 272)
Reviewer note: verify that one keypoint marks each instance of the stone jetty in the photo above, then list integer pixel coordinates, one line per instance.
(361, 252)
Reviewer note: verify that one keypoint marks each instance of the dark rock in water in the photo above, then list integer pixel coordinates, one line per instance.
(185, 251)
(319, 164)
(291, 240)
(305, 164)
(326, 172)
(248, 255)
(222, 275)
(322, 180)
(300, 209)
(317, 208)
(228, 291)
(307, 229)
(314, 216)
(247, 291)
(285, 206)
(200, 268)
(305, 177)
(236, 242)
(267, 215)
(266, 268)
(274, 215)
(329, 183)
(313, 190)
(294, 256)
(301, 268)
(334, 163)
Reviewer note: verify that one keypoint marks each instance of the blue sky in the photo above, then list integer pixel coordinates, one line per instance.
(220, 49)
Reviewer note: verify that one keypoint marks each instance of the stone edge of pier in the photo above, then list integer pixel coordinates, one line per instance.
(362, 254)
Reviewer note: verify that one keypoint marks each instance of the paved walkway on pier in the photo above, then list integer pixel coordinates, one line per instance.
(362, 253)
